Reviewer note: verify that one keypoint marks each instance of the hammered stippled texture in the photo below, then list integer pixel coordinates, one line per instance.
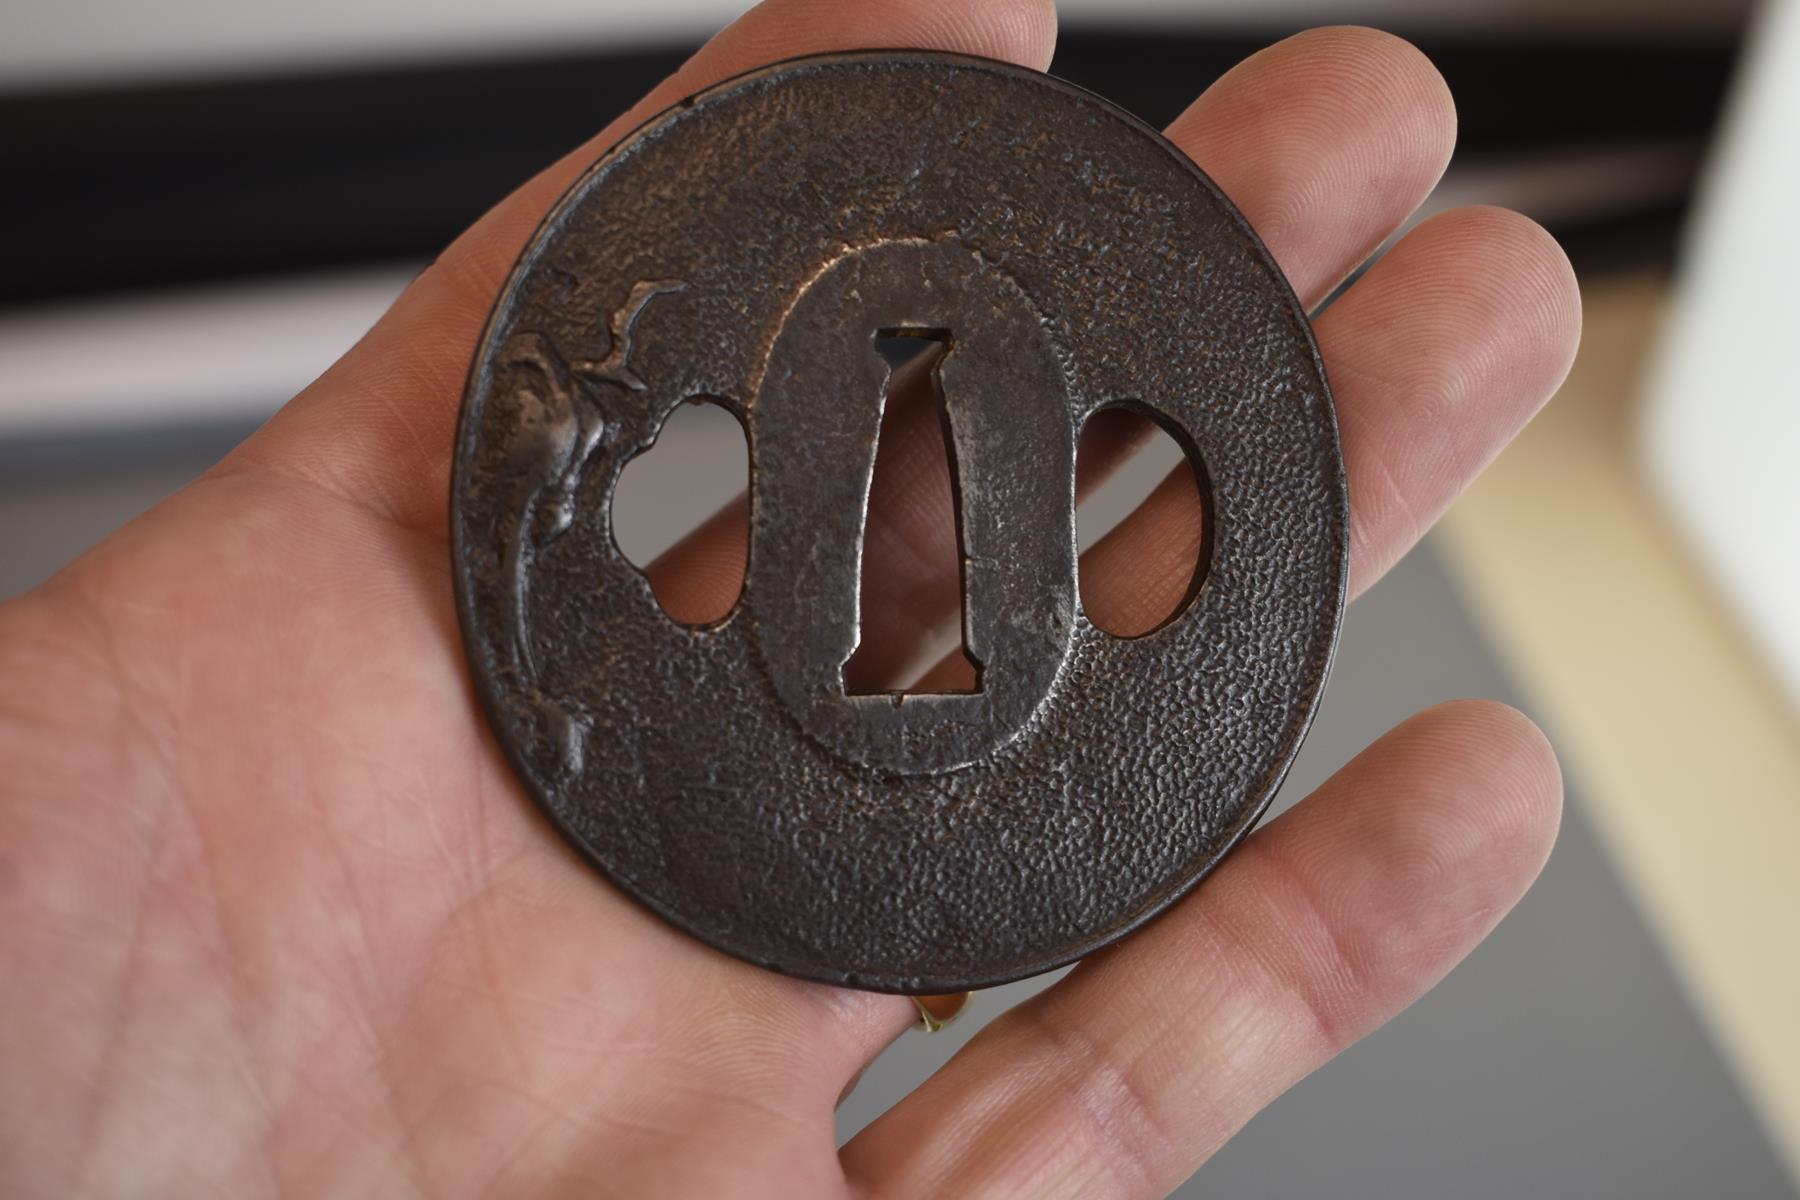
(749, 246)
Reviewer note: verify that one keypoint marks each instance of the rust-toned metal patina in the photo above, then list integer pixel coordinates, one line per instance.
(750, 246)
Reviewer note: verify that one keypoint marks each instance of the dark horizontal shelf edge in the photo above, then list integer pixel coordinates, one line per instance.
(180, 183)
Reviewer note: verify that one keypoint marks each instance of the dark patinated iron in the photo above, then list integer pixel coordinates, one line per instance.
(750, 246)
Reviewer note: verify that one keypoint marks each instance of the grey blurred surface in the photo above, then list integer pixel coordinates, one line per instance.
(1560, 1060)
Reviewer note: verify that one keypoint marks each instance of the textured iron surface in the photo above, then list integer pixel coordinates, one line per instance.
(749, 246)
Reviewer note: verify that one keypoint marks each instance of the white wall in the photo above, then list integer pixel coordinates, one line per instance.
(1722, 425)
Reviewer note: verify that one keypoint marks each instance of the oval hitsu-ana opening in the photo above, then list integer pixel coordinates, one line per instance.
(1144, 520)
(681, 511)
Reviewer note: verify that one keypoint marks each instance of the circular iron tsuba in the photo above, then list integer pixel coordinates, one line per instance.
(749, 246)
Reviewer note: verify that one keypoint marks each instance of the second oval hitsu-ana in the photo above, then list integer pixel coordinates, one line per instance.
(750, 246)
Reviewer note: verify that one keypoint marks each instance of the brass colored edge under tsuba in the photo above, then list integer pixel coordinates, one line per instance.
(935, 1012)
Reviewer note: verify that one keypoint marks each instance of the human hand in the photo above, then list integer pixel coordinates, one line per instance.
(275, 917)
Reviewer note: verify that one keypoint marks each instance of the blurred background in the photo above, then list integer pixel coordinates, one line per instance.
(211, 199)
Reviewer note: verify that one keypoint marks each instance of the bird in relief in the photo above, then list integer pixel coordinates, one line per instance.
(556, 427)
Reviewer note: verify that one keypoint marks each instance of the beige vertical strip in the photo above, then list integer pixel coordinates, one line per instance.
(1681, 745)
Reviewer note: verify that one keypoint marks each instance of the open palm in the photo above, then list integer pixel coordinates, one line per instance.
(275, 918)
